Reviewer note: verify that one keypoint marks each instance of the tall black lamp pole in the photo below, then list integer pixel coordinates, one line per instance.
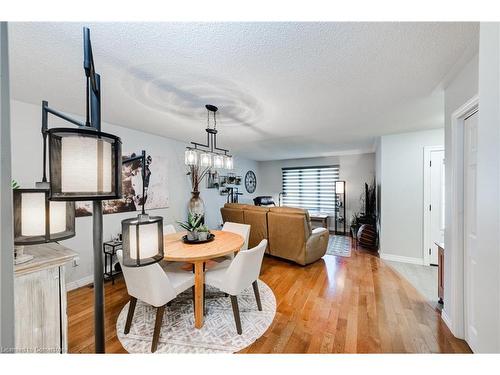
(71, 152)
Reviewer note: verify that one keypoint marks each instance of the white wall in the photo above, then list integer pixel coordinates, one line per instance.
(27, 168)
(6, 232)
(460, 90)
(487, 289)
(354, 169)
(214, 201)
(401, 177)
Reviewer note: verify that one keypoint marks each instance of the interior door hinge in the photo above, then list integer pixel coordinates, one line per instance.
(429, 251)
(430, 208)
(430, 163)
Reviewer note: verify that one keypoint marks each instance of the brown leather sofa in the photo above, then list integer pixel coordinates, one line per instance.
(288, 231)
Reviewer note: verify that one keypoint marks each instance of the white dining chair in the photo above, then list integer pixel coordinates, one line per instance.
(237, 275)
(156, 287)
(168, 229)
(243, 230)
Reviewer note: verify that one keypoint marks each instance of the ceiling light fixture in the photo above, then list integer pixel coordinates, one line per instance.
(209, 155)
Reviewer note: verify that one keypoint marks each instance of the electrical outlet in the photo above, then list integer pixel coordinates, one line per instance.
(76, 262)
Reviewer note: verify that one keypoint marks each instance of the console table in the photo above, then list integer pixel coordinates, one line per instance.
(40, 300)
(440, 247)
(319, 217)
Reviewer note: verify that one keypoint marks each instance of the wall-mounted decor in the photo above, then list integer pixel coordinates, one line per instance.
(156, 188)
(250, 182)
(212, 180)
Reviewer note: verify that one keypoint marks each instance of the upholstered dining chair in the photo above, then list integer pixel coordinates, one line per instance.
(155, 286)
(237, 275)
(168, 229)
(243, 230)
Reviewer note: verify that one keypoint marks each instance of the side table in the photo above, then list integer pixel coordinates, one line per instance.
(110, 249)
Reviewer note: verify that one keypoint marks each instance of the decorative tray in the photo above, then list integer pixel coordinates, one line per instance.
(210, 237)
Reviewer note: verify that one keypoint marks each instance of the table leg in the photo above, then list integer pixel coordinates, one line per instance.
(199, 281)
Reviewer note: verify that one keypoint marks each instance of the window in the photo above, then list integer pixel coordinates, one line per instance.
(312, 188)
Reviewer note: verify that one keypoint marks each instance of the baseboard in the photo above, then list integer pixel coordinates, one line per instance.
(79, 283)
(446, 319)
(402, 259)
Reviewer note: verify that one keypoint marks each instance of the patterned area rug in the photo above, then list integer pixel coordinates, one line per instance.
(218, 334)
(339, 246)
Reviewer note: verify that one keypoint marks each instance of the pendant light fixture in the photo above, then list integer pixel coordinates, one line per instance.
(209, 155)
(37, 219)
(85, 164)
(142, 236)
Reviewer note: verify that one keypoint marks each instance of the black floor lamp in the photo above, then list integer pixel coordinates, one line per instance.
(85, 164)
(340, 204)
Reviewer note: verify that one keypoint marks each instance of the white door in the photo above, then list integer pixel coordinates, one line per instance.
(470, 236)
(436, 206)
(434, 184)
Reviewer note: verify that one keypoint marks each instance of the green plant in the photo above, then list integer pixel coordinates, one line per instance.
(203, 228)
(355, 219)
(193, 222)
(15, 185)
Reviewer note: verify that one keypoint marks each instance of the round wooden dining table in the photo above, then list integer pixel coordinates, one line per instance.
(175, 250)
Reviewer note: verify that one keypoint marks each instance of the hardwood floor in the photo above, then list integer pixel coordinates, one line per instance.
(336, 305)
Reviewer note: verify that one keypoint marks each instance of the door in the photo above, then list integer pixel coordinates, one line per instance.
(470, 233)
(433, 203)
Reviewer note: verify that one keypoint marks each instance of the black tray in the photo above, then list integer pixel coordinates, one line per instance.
(210, 237)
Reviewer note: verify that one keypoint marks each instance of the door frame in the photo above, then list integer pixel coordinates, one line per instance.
(427, 197)
(454, 308)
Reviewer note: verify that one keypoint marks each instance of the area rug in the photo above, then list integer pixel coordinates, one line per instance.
(218, 334)
(339, 246)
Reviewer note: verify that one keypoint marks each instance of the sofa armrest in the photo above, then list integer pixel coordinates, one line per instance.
(316, 245)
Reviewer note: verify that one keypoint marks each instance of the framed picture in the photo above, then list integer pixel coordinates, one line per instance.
(156, 188)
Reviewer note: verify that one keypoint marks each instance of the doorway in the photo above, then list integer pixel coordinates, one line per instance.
(434, 202)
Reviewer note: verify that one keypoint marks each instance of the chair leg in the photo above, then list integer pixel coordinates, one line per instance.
(257, 294)
(236, 313)
(204, 299)
(130, 314)
(156, 335)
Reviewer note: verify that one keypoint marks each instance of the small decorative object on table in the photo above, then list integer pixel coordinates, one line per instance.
(203, 233)
(192, 225)
(209, 237)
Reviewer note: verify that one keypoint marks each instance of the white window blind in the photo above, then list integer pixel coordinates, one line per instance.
(312, 188)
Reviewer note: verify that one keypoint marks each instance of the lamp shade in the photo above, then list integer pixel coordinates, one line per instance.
(142, 240)
(190, 157)
(205, 160)
(218, 161)
(84, 165)
(38, 220)
(228, 162)
(339, 187)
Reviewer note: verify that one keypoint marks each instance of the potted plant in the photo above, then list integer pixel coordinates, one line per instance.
(191, 225)
(355, 224)
(203, 233)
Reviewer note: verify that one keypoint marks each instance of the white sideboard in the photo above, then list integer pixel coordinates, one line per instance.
(40, 300)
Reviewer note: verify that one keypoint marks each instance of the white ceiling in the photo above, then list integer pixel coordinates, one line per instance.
(285, 90)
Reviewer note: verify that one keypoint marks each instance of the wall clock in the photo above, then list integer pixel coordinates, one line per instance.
(250, 182)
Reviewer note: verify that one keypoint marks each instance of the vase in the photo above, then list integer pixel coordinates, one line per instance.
(196, 205)
(192, 235)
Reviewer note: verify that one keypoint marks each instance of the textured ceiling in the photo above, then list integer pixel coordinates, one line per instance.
(284, 90)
